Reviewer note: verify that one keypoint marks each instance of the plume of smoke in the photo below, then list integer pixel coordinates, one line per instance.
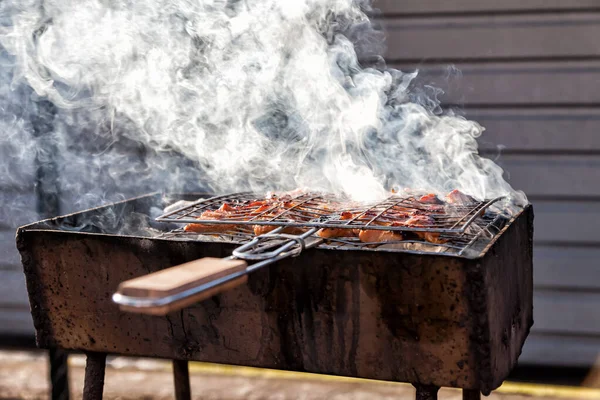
(240, 94)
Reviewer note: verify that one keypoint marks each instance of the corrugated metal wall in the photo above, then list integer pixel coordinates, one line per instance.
(530, 74)
(15, 318)
(17, 200)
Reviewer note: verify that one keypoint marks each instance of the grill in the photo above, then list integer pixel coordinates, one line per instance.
(432, 315)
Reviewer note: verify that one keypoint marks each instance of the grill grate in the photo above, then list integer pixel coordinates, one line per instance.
(463, 229)
(474, 239)
(326, 211)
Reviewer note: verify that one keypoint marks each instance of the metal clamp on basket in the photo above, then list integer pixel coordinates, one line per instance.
(251, 252)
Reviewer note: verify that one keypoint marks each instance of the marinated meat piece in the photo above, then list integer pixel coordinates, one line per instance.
(458, 197)
(261, 209)
(377, 236)
(212, 228)
(221, 213)
(227, 211)
(423, 221)
(419, 221)
(258, 203)
(270, 212)
(430, 199)
(226, 207)
(432, 237)
(262, 229)
(328, 233)
(397, 217)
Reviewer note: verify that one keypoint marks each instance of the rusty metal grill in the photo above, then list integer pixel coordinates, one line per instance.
(317, 210)
(372, 287)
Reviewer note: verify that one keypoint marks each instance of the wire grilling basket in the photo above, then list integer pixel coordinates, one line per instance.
(459, 225)
(324, 211)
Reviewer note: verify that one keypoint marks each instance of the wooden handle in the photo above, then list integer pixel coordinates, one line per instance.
(171, 281)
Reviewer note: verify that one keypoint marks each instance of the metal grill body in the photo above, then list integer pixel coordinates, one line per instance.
(428, 319)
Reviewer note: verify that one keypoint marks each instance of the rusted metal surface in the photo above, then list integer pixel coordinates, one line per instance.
(426, 392)
(59, 374)
(181, 380)
(468, 394)
(95, 368)
(426, 319)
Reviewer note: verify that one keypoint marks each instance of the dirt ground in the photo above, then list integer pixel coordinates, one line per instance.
(24, 375)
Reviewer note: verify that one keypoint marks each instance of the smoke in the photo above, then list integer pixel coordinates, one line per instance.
(232, 95)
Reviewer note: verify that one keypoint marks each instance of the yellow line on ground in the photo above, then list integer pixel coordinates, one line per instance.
(534, 390)
(276, 374)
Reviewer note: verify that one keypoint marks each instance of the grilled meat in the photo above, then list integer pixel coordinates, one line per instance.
(329, 233)
(263, 209)
(286, 205)
(364, 235)
(377, 236)
(458, 197)
(262, 229)
(419, 221)
(430, 199)
(222, 212)
(423, 221)
(205, 228)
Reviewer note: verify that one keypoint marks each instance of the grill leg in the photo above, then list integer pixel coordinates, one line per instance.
(93, 385)
(59, 374)
(471, 394)
(181, 378)
(426, 392)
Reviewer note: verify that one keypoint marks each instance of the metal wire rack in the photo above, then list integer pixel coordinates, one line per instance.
(317, 210)
(462, 228)
(473, 240)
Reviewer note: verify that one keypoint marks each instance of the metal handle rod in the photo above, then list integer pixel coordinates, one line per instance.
(181, 380)
(249, 252)
(95, 369)
(286, 250)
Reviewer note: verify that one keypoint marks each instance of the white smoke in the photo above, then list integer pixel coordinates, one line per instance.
(257, 94)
